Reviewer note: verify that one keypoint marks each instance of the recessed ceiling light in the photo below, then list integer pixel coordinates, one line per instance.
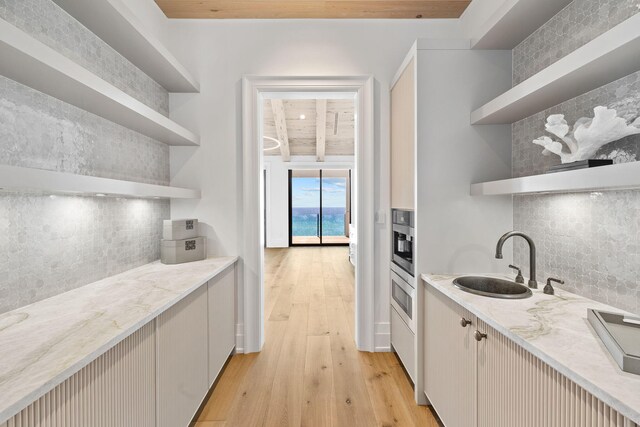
(100, 195)
(302, 117)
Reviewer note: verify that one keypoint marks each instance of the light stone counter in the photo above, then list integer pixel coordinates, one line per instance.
(555, 329)
(44, 343)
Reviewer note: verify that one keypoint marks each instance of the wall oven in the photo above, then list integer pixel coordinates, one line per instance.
(403, 297)
(402, 239)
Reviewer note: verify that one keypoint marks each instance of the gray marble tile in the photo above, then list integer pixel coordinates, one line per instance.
(577, 24)
(590, 240)
(43, 132)
(52, 244)
(49, 245)
(53, 26)
(623, 95)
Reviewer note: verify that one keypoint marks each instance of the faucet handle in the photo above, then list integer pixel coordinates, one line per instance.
(519, 278)
(548, 289)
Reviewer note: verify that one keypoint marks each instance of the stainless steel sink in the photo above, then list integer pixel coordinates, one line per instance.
(492, 287)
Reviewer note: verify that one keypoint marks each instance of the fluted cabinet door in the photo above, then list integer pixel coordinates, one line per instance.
(182, 359)
(515, 388)
(116, 389)
(222, 320)
(450, 360)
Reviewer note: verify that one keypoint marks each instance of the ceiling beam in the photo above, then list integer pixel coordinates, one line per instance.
(281, 128)
(321, 128)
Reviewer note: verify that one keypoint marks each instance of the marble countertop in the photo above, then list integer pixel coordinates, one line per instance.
(44, 343)
(555, 329)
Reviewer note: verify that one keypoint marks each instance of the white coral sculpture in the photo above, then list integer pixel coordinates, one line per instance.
(587, 135)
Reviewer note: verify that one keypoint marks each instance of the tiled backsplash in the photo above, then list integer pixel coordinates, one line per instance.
(51, 244)
(590, 240)
(576, 25)
(623, 95)
(43, 132)
(47, 22)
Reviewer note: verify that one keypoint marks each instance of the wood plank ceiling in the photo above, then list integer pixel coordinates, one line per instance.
(308, 127)
(295, 9)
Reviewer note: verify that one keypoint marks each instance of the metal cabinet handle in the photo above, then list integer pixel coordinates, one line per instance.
(479, 336)
(464, 322)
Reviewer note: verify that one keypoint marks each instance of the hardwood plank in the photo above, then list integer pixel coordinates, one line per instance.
(294, 9)
(221, 400)
(285, 405)
(252, 399)
(421, 415)
(318, 402)
(353, 405)
(310, 372)
(318, 323)
(391, 409)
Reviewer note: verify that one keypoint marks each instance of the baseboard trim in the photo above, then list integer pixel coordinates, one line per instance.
(239, 338)
(382, 339)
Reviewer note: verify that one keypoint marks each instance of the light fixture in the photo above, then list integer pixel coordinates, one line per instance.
(302, 117)
(273, 140)
(101, 195)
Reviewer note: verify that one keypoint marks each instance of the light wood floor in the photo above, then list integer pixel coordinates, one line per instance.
(315, 240)
(309, 372)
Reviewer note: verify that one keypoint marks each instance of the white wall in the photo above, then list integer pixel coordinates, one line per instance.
(277, 191)
(219, 53)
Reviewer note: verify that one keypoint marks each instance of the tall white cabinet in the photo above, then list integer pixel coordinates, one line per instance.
(454, 232)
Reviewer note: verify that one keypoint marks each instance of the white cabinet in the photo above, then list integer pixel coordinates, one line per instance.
(450, 360)
(489, 381)
(182, 341)
(222, 320)
(403, 342)
(403, 135)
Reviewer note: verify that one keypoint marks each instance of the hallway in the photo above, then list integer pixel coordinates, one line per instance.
(309, 372)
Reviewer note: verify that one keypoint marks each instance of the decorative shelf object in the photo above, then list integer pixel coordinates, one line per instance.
(15, 178)
(514, 21)
(613, 177)
(610, 56)
(117, 25)
(34, 64)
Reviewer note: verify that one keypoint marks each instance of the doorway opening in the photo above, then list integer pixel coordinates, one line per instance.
(279, 143)
(320, 207)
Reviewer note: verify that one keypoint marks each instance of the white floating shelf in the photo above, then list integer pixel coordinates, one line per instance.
(610, 56)
(14, 178)
(514, 21)
(120, 28)
(32, 63)
(613, 177)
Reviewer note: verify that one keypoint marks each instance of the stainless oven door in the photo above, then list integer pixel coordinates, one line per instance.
(403, 298)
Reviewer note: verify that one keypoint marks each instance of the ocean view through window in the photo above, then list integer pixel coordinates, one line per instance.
(319, 207)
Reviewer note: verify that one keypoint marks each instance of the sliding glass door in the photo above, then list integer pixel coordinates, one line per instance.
(320, 207)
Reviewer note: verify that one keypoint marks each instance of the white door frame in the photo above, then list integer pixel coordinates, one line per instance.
(251, 296)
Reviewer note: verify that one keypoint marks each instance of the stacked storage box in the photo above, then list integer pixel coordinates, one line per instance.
(180, 242)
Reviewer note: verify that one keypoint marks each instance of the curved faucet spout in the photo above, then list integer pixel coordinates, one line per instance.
(532, 254)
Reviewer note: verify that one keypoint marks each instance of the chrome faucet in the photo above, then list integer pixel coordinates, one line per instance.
(532, 254)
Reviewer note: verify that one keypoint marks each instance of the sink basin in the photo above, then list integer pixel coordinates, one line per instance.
(492, 287)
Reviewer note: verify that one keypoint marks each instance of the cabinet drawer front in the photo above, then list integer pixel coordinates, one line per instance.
(515, 388)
